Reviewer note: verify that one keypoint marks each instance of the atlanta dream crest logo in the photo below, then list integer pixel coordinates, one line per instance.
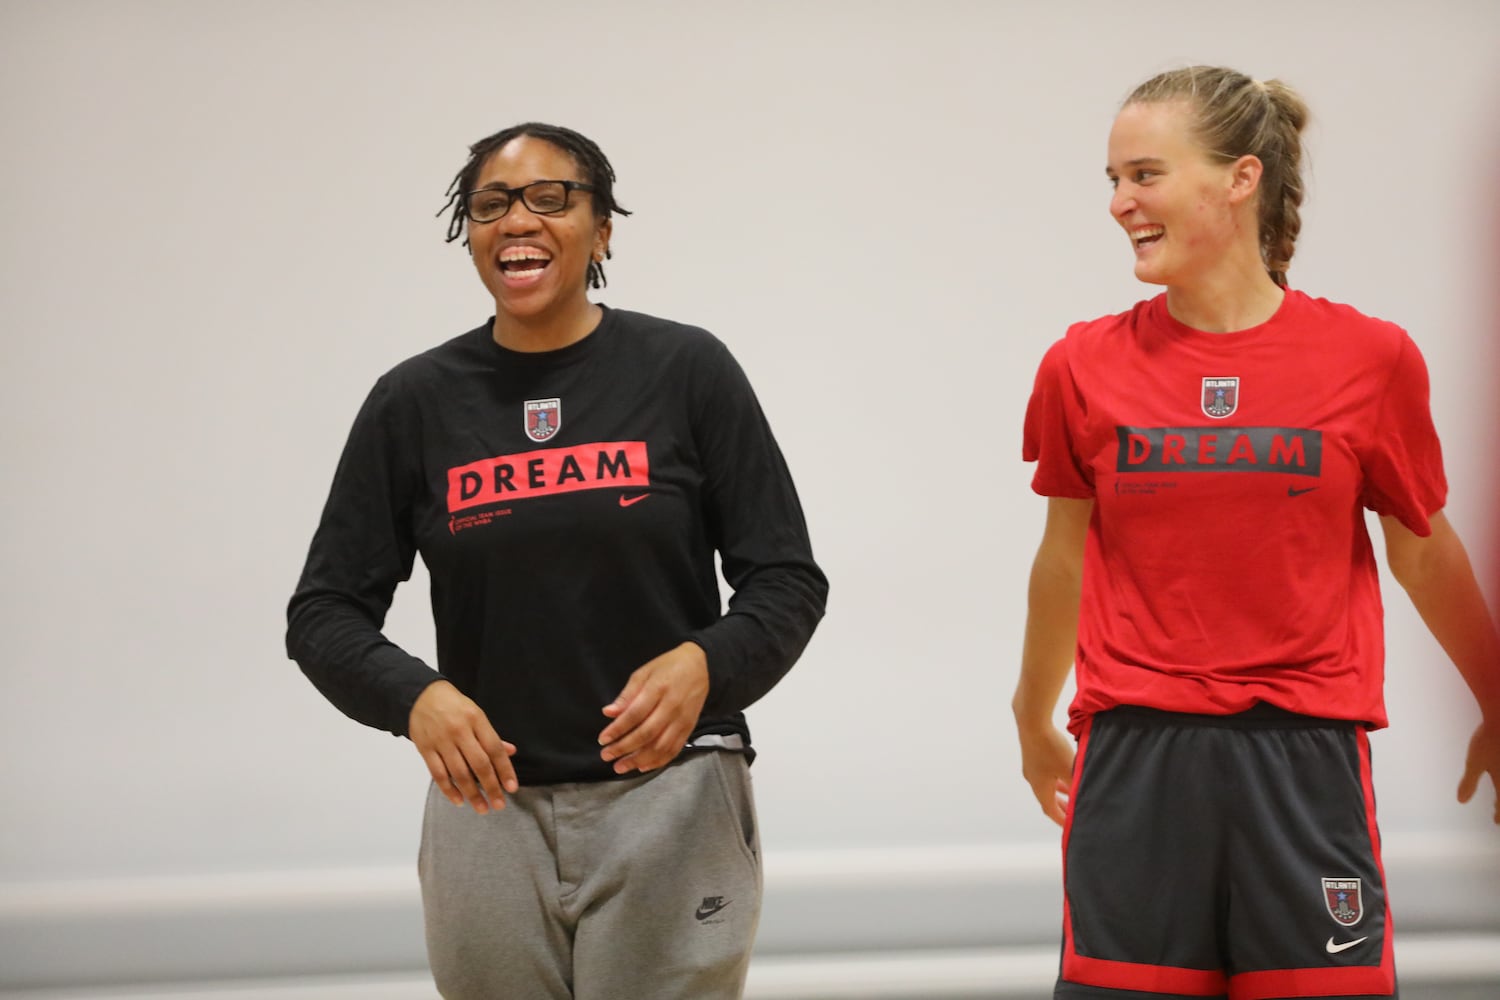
(1342, 897)
(543, 418)
(1221, 396)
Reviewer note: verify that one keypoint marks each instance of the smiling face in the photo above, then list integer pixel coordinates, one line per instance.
(536, 266)
(1184, 212)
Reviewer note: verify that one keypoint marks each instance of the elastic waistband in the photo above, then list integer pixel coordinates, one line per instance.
(1260, 716)
(718, 741)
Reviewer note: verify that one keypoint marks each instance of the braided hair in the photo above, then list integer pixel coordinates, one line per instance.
(1233, 116)
(591, 162)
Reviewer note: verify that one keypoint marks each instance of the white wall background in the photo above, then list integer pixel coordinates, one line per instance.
(216, 230)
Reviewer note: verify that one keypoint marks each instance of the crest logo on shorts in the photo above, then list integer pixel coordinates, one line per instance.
(543, 418)
(1342, 897)
(1221, 396)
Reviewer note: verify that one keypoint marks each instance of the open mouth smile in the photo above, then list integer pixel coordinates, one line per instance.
(1144, 236)
(519, 265)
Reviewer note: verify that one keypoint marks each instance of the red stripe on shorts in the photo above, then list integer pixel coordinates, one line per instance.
(1144, 978)
(1361, 980)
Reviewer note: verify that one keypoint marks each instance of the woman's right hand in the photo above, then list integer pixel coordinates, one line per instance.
(468, 760)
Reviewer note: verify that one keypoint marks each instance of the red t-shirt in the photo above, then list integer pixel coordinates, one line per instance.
(1227, 561)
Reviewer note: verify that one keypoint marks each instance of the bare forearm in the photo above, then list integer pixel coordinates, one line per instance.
(1050, 641)
(1047, 654)
(1443, 589)
(1455, 614)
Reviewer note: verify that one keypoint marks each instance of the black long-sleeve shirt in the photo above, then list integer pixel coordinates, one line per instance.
(567, 505)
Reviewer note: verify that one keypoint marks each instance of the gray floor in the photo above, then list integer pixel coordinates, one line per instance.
(1489, 990)
(1472, 991)
(1419, 991)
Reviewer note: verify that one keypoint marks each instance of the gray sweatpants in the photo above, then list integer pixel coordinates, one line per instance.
(647, 888)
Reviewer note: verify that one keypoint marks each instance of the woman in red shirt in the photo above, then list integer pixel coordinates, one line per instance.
(1208, 457)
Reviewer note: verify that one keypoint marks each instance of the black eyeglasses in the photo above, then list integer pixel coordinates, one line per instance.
(540, 197)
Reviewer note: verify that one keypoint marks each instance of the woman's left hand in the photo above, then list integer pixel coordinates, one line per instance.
(1484, 758)
(656, 712)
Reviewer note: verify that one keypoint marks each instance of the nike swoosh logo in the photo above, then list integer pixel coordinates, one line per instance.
(705, 912)
(627, 501)
(1334, 949)
(1292, 491)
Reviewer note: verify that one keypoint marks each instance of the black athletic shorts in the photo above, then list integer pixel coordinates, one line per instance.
(1223, 856)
